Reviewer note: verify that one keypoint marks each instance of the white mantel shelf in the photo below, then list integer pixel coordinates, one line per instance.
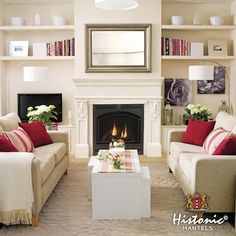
(118, 97)
(118, 81)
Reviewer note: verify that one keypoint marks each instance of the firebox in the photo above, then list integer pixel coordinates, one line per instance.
(118, 121)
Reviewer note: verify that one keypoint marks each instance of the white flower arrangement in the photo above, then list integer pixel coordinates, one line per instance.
(198, 112)
(42, 113)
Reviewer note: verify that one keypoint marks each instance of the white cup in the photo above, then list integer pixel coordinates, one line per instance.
(216, 20)
(58, 20)
(177, 20)
(17, 21)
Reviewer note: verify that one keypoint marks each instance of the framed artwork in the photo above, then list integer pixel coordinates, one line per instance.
(178, 92)
(19, 48)
(216, 86)
(217, 48)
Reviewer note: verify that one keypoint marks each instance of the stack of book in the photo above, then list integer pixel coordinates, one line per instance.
(61, 48)
(175, 47)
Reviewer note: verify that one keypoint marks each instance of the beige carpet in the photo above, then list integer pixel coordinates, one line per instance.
(68, 212)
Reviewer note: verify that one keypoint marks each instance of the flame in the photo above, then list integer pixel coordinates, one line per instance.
(124, 133)
(114, 130)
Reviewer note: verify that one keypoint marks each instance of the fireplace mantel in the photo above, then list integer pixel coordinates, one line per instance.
(92, 91)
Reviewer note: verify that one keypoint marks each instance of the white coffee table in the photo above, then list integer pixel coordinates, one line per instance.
(120, 195)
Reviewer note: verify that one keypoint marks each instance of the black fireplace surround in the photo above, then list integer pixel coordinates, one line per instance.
(128, 118)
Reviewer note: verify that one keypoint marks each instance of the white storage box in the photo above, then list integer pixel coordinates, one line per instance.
(39, 49)
(197, 49)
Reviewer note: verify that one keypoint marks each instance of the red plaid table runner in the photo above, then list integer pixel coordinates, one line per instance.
(126, 167)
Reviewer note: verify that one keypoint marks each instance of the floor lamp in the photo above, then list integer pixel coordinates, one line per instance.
(30, 74)
(206, 72)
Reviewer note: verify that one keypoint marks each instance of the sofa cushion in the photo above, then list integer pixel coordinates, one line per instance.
(20, 139)
(214, 139)
(187, 162)
(47, 164)
(58, 149)
(6, 145)
(177, 147)
(197, 131)
(227, 146)
(9, 122)
(225, 121)
(37, 132)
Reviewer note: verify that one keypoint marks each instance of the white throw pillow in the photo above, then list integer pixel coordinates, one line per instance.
(213, 140)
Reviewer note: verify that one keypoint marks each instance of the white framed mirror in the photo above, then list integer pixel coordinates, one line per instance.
(118, 47)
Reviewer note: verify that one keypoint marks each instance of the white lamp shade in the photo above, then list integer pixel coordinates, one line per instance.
(203, 72)
(116, 4)
(35, 73)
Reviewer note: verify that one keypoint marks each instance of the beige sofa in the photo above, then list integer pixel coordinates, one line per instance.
(198, 172)
(49, 164)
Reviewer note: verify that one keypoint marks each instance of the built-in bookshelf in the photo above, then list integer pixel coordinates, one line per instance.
(176, 66)
(187, 33)
(59, 38)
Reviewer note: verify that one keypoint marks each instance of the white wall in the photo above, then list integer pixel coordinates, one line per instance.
(60, 81)
(62, 72)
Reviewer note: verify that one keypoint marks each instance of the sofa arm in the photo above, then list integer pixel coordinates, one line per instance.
(216, 177)
(175, 135)
(60, 137)
(37, 185)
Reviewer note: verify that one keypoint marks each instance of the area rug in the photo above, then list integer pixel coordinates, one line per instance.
(69, 213)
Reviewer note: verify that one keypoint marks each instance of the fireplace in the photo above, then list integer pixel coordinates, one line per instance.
(118, 121)
(129, 93)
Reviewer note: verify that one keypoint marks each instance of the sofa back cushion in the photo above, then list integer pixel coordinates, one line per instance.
(6, 145)
(9, 122)
(37, 132)
(197, 131)
(20, 139)
(225, 121)
(214, 139)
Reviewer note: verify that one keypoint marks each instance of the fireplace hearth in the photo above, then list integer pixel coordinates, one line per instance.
(118, 121)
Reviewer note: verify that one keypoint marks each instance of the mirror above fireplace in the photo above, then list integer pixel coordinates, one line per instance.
(118, 47)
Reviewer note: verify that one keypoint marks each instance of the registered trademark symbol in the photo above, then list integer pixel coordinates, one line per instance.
(226, 217)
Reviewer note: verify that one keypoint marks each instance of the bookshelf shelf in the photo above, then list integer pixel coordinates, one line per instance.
(31, 58)
(36, 28)
(198, 57)
(198, 27)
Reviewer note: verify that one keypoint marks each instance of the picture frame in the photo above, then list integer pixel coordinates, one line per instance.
(216, 86)
(178, 91)
(217, 48)
(19, 48)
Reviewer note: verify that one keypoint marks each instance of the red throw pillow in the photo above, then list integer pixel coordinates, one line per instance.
(20, 140)
(226, 147)
(6, 145)
(197, 131)
(37, 132)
